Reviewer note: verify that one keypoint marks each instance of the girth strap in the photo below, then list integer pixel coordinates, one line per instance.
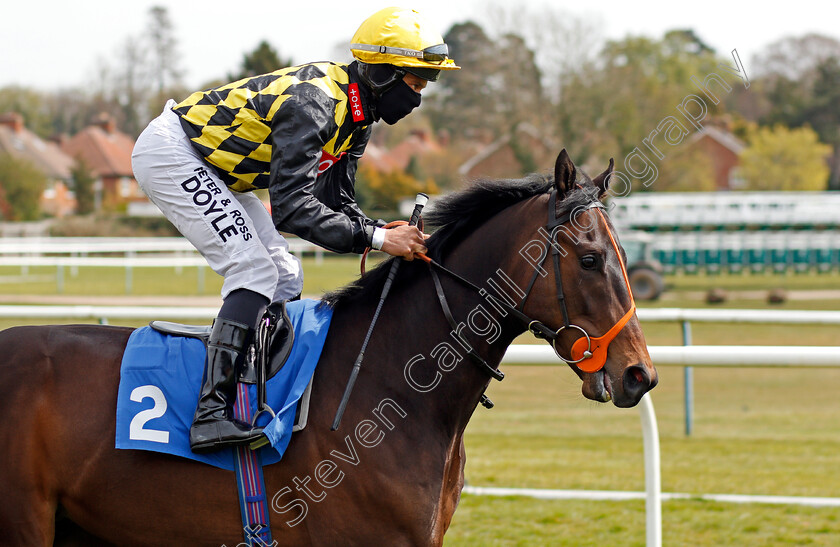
(250, 485)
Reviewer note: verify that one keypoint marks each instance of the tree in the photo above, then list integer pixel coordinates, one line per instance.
(131, 89)
(30, 104)
(83, 182)
(685, 42)
(615, 102)
(131, 85)
(465, 101)
(794, 58)
(377, 190)
(262, 60)
(823, 114)
(788, 70)
(498, 87)
(686, 170)
(164, 49)
(134, 84)
(800, 77)
(563, 42)
(164, 61)
(779, 158)
(520, 88)
(22, 185)
(5, 206)
(522, 153)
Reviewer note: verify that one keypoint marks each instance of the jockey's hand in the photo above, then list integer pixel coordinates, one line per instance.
(404, 241)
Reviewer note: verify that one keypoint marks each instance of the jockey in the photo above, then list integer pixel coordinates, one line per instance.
(298, 132)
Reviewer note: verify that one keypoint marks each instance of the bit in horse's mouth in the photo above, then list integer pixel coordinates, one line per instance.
(607, 386)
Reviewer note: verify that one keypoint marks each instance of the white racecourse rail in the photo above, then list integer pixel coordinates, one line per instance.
(710, 356)
(132, 252)
(31, 246)
(151, 252)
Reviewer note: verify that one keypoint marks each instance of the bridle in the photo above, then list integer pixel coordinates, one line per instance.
(587, 353)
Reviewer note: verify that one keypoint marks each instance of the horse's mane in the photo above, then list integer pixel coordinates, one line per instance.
(453, 217)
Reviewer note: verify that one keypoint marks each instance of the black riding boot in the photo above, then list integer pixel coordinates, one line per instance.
(213, 424)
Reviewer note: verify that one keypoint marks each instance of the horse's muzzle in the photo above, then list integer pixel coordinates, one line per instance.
(635, 382)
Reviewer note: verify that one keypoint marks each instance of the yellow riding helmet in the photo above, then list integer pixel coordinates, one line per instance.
(403, 38)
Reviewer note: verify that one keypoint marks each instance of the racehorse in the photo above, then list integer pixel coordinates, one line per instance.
(392, 473)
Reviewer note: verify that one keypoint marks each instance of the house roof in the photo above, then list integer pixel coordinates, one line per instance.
(21, 143)
(490, 149)
(416, 144)
(379, 158)
(724, 138)
(106, 151)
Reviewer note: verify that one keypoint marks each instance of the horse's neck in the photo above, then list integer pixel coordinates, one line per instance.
(414, 352)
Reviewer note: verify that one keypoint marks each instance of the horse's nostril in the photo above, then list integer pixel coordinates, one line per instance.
(636, 379)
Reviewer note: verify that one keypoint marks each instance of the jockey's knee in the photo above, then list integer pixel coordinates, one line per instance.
(289, 278)
(244, 306)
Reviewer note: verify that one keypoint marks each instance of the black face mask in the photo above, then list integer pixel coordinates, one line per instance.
(396, 103)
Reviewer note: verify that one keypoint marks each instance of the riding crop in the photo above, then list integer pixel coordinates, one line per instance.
(419, 203)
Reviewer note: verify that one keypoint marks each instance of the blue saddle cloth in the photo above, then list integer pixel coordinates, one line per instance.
(161, 376)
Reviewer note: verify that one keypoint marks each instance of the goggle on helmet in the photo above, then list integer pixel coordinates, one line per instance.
(402, 38)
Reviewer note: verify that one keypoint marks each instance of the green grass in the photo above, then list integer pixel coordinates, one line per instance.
(752, 282)
(527, 522)
(540, 415)
(756, 431)
(162, 283)
(334, 271)
(771, 432)
(91, 281)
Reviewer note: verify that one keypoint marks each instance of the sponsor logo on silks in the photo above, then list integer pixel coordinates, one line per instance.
(327, 161)
(355, 103)
(202, 190)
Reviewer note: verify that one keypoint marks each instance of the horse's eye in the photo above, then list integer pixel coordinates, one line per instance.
(589, 262)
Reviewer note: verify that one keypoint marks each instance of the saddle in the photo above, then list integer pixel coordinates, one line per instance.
(268, 353)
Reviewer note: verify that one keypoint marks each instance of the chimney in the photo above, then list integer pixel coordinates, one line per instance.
(106, 122)
(12, 120)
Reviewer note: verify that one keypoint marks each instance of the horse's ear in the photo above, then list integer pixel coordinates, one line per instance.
(602, 181)
(564, 174)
